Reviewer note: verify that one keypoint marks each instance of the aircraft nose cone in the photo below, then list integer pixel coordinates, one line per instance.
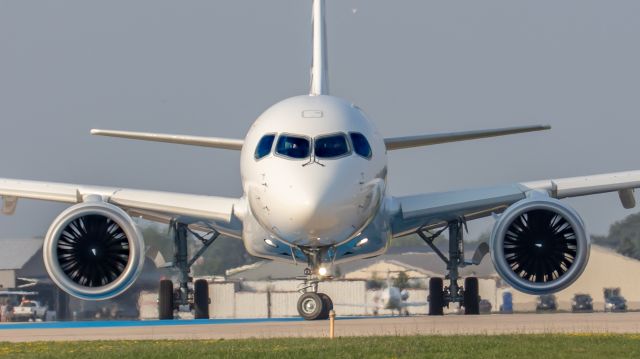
(313, 213)
(314, 210)
(318, 209)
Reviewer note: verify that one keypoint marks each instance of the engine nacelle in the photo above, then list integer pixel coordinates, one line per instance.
(539, 246)
(93, 251)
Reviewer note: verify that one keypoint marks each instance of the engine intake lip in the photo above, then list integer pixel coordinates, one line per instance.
(128, 275)
(500, 260)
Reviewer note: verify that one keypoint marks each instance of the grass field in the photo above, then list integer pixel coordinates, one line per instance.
(512, 346)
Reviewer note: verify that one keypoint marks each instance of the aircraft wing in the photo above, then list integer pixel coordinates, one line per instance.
(213, 142)
(414, 304)
(152, 205)
(398, 143)
(433, 210)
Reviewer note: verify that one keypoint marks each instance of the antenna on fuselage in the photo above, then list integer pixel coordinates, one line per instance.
(319, 63)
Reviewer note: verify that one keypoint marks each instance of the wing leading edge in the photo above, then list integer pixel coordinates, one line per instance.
(432, 210)
(213, 142)
(398, 143)
(154, 205)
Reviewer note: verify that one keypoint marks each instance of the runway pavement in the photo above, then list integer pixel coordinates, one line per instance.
(294, 327)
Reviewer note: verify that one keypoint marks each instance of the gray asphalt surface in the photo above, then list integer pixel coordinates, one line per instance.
(419, 325)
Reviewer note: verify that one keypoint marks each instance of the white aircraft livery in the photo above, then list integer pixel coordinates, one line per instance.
(314, 172)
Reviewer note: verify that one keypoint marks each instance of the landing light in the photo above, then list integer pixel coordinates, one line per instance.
(362, 242)
(323, 271)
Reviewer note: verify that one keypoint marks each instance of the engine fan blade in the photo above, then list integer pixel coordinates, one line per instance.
(93, 251)
(540, 246)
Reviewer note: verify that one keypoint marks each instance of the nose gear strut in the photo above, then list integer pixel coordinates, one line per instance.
(311, 304)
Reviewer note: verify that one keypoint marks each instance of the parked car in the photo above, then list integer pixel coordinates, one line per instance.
(29, 310)
(547, 303)
(611, 292)
(582, 303)
(615, 303)
(485, 306)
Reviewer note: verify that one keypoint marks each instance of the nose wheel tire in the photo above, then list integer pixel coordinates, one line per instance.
(311, 306)
(165, 300)
(436, 296)
(201, 299)
(471, 296)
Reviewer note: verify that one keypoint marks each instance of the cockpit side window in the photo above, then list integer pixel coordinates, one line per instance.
(264, 146)
(293, 146)
(360, 145)
(331, 146)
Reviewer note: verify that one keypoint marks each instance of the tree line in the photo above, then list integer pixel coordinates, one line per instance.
(623, 237)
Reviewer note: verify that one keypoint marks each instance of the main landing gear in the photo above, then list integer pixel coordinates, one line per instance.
(188, 296)
(468, 295)
(311, 304)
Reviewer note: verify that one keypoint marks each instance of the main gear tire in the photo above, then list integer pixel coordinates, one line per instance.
(165, 300)
(436, 296)
(201, 299)
(471, 296)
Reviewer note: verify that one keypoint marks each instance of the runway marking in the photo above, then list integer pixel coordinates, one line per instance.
(139, 323)
(152, 323)
(495, 324)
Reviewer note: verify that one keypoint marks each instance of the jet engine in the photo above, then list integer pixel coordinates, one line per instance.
(539, 245)
(93, 251)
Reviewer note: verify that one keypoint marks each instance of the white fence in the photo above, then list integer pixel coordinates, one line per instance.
(273, 299)
(276, 299)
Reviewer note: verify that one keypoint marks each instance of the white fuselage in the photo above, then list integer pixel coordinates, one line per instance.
(391, 298)
(313, 201)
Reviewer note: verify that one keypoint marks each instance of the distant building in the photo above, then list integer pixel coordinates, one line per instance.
(606, 269)
(416, 262)
(22, 269)
(14, 255)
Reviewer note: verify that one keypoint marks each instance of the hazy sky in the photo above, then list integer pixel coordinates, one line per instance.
(211, 67)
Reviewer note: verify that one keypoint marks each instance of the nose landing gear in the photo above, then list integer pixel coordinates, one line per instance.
(311, 304)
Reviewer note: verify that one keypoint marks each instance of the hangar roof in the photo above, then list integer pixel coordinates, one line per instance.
(421, 259)
(15, 253)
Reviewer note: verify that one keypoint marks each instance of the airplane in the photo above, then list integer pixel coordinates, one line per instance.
(314, 180)
(389, 297)
(394, 299)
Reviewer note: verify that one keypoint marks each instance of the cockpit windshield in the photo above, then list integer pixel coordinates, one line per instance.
(331, 146)
(264, 146)
(293, 146)
(360, 144)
